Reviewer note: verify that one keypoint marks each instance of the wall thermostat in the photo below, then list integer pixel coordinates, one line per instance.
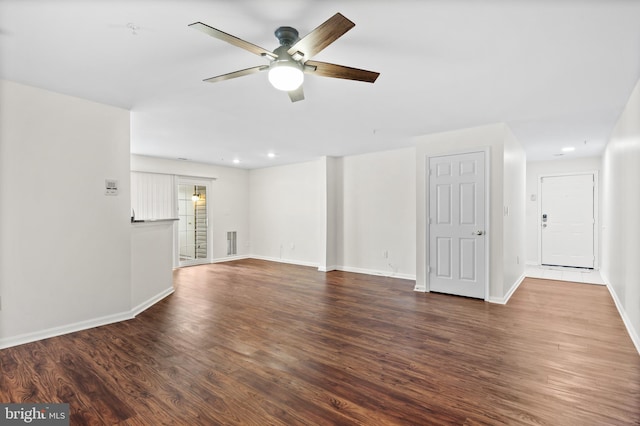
(110, 187)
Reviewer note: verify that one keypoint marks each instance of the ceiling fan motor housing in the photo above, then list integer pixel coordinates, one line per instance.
(286, 35)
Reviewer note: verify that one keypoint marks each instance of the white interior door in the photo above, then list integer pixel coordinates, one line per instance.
(457, 246)
(567, 222)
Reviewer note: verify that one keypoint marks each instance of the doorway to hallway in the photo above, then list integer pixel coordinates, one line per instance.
(193, 224)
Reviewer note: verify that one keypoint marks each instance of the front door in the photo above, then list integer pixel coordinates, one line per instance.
(567, 221)
(457, 246)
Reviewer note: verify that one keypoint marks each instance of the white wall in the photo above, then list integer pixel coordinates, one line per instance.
(65, 251)
(514, 184)
(620, 215)
(228, 200)
(377, 199)
(506, 156)
(338, 213)
(286, 212)
(151, 263)
(331, 176)
(543, 168)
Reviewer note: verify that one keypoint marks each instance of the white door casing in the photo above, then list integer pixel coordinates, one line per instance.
(192, 237)
(457, 225)
(567, 220)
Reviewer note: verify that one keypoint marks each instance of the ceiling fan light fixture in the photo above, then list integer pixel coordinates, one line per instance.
(285, 75)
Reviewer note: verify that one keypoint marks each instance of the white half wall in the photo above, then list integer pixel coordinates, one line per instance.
(544, 168)
(151, 263)
(65, 254)
(620, 267)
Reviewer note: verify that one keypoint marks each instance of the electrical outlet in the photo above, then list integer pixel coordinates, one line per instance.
(517, 260)
(385, 254)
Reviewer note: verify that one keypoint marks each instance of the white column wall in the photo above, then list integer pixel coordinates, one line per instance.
(65, 253)
(514, 216)
(621, 219)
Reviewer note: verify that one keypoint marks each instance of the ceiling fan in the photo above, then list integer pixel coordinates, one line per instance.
(292, 59)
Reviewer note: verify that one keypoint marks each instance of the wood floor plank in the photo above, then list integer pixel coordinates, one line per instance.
(255, 342)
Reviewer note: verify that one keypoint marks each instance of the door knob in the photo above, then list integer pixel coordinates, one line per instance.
(479, 232)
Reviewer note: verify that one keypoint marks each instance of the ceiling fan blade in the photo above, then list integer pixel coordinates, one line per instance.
(325, 69)
(296, 95)
(221, 35)
(325, 34)
(236, 74)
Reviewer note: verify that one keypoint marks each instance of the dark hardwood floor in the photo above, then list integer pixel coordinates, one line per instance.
(256, 343)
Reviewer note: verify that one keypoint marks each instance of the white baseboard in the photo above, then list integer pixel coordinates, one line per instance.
(151, 301)
(376, 272)
(288, 261)
(633, 333)
(505, 299)
(328, 268)
(338, 268)
(123, 316)
(322, 268)
(63, 329)
(21, 339)
(229, 258)
(497, 300)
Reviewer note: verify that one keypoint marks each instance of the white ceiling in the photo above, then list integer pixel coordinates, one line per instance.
(557, 72)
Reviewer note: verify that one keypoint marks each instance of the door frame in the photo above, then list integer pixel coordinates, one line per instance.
(189, 180)
(487, 207)
(596, 213)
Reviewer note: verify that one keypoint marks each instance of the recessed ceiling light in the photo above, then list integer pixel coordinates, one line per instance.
(271, 155)
(133, 27)
(236, 161)
(568, 149)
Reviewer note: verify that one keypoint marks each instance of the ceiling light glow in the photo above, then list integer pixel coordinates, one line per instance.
(285, 75)
(271, 155)
(568, 149)
(236, 161)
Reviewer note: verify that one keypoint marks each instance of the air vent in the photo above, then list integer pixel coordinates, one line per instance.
(232, 247)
